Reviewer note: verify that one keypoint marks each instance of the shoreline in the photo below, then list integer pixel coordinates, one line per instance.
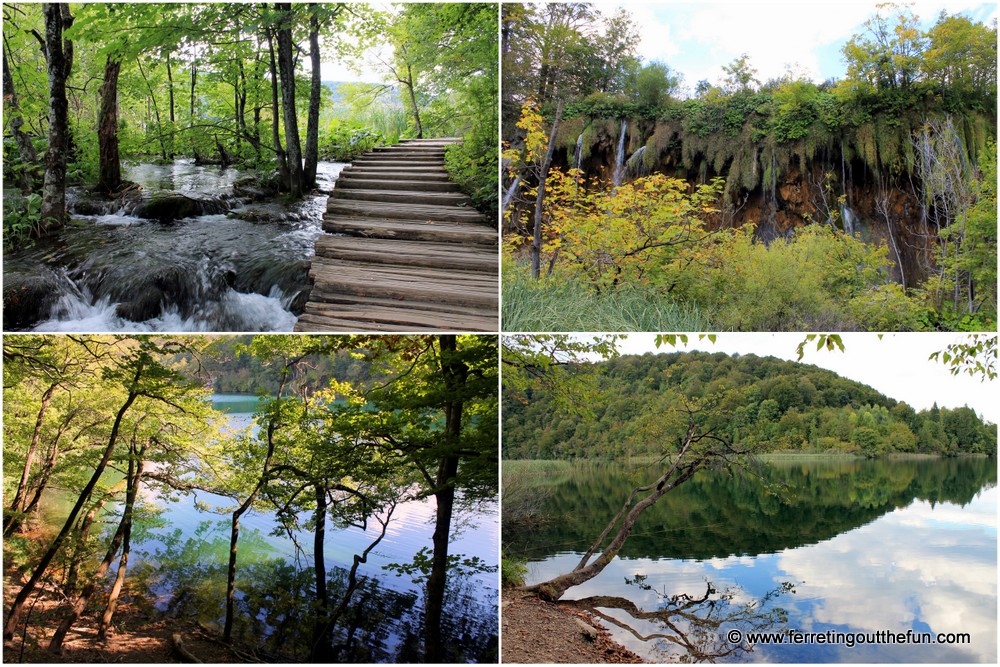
(538, 632)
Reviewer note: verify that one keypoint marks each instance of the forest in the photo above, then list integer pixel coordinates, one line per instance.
(345, 514)
(147, 120)
(653, 203)
(758, 404)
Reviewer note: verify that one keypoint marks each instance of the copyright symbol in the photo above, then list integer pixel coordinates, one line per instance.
(734, 636)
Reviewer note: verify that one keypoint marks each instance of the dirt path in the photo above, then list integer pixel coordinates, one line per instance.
(539, 632)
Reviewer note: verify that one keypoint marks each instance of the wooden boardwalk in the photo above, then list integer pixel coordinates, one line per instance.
(404, 249)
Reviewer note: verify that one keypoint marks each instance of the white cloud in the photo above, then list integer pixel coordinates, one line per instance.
(697, 39)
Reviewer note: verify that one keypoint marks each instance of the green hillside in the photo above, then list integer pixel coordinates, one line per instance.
(765, 404)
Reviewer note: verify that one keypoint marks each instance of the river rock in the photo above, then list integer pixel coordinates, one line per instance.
(258, 187)
(171, 285)
(171, 206)
(28, 298)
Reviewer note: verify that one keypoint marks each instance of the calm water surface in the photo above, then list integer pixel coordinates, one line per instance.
(183, 554)
(850, 546)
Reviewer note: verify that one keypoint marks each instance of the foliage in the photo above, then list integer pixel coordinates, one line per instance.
(651, 236)
(344, 141)
(773, 405)
(976, 356)
(561, 302)
(512, 572)
(449, 54)
(21, 218)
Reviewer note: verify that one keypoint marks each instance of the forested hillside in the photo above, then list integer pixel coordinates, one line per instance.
(761, 403)
(865, 202)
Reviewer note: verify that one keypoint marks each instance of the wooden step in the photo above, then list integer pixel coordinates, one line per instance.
(440, 175)
(397, 211)
(400, 150)
(383, 315)
(424, 165)
(408, 253)
(355, 182)
(403, 196)
(404, 251)
(420, 284)
(413, 230)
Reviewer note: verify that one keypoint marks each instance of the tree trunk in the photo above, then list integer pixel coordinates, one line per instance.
(12, 109)
(17, 608)
(110, 173)
(234, 535)
(436, 582)
(135, 465)
(413, 101)
(87, 593)
(194, 80)
(53, 210)
(312, 126)
(455, 373)
(536, 239)
(170, 93)
(156, 110)
(73, 573)
(279, 151)
(321, 630)
(14, 517)
(553, 589)
(286, 69)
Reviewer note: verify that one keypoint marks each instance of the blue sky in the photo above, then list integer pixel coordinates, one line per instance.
(697, 39)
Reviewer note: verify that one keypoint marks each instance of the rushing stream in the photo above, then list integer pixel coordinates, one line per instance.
(241, 267)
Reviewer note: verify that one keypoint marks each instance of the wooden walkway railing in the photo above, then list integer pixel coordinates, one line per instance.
(404, 249)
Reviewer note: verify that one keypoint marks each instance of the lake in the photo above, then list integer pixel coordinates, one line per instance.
(182, 552)
(796, 544)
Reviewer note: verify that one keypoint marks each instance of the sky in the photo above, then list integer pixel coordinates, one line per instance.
(697, 39)
(367, 70)
(897, 365)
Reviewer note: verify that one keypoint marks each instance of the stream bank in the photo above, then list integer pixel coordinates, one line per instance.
(198, 251)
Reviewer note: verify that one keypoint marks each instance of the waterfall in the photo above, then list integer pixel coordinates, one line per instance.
(510, 193)
(579, 151)
(634, 165)
(619, 172)
(849, 219)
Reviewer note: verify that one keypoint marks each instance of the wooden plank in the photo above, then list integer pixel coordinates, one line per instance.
(403, 196)
(411, 162)
(412, 230)
(376, 318)
(400, 174)
(398, 211)
(412, 259)
(408, 253)
(406, 283)
(355, 182)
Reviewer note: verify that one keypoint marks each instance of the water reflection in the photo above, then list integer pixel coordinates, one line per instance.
(691, 628)
(867, 546)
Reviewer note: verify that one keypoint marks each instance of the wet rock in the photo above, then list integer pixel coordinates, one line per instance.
(169, 286)
(171, 206)
(28, 298)
(143, 307)
(258, 187)
(86, 202)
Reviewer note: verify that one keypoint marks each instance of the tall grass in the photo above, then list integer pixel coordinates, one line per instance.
(568, 305)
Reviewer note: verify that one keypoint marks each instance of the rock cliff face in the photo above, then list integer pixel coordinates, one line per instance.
(776, 188)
